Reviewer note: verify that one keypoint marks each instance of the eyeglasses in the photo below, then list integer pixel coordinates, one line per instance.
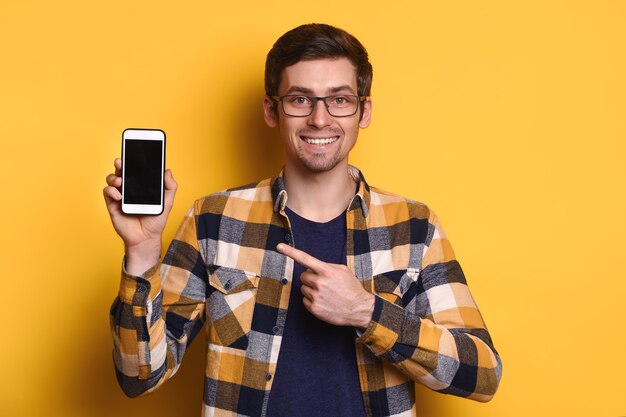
(302, 106)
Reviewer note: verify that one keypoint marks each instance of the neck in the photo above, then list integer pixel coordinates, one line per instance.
(319, 196)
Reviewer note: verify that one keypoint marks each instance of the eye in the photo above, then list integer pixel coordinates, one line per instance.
(299, 100)
(342, 100)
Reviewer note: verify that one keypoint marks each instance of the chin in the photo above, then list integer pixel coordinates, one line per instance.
(319, 165)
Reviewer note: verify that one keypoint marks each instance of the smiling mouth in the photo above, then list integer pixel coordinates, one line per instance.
(319, 141)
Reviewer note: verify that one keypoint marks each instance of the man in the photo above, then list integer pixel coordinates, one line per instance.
(321, 295)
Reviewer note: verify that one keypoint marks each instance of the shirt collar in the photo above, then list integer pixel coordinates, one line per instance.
(360, 200)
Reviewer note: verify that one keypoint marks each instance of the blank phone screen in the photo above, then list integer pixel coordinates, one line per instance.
(142, 171)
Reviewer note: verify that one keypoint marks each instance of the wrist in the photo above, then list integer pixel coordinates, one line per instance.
(365, 312)
(142, 256)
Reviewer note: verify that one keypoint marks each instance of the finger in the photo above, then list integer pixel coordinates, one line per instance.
(308, 279)
(170, 190)
(118, 167)
(111, 195)
(307, 304)
(301, 257)
(307, 292)
(114, 181)
(170, 183)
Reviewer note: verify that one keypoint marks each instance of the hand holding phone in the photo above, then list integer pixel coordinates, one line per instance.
(141, 233)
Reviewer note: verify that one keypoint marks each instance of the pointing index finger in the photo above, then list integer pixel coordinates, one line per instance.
(301, 257)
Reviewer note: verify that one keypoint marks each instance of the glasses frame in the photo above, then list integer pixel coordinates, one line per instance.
(315, 99)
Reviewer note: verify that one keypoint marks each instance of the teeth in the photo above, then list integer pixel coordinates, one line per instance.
(320, 141)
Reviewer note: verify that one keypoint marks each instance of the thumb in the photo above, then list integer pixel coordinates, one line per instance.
(169, 181)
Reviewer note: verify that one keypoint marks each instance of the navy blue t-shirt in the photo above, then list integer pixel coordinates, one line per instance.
(316, 373)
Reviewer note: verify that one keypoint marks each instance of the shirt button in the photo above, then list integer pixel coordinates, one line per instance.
(275, 329)
(284, 281)
(228, 286)
(268, 377)
(288, 237)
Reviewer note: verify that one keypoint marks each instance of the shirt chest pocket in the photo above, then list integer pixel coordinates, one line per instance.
(230, 306)
(398, 286)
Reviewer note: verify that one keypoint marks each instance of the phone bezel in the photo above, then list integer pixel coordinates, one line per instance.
(143, 134)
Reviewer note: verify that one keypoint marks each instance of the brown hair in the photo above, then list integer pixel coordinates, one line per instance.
(316, 41)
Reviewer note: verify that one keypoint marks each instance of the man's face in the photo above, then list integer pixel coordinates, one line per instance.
(318, 142)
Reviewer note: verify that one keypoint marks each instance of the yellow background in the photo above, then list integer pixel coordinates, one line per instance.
(506, 117)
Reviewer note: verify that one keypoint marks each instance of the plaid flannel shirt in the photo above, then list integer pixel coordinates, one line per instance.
(222, 268)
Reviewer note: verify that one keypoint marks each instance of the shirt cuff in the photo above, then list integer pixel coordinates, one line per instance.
(137, 290)
(384, 328)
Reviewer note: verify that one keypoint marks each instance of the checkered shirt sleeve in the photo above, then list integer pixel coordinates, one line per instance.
(146, 350)
(426, 323)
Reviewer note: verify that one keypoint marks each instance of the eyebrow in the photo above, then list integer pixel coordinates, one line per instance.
(308, 91)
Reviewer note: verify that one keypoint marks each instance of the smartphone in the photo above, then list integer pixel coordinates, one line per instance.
(143, 166)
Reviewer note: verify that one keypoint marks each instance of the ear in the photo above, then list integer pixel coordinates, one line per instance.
(269, 114)
(366, 118)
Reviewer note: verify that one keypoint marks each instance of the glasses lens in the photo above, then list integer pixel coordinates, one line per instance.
(297, 105)
(342, 105)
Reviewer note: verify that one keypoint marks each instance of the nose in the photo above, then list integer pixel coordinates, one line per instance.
(320, 116)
